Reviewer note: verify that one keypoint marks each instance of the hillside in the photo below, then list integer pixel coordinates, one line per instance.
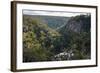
(52, 21)
(50, 38)
(78, 36)
(78, 24)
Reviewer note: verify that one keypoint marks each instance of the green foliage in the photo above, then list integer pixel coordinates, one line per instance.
(37, 40)
(42, 43)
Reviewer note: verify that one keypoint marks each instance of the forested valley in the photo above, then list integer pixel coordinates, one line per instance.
(54, 38)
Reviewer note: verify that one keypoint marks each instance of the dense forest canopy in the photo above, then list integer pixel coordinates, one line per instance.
(50, 38)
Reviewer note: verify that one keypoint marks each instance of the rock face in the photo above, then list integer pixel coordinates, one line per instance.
(74, 26)
(64, 56)
(78, 24)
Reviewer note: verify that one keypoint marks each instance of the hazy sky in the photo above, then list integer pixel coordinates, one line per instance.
(52, 13)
